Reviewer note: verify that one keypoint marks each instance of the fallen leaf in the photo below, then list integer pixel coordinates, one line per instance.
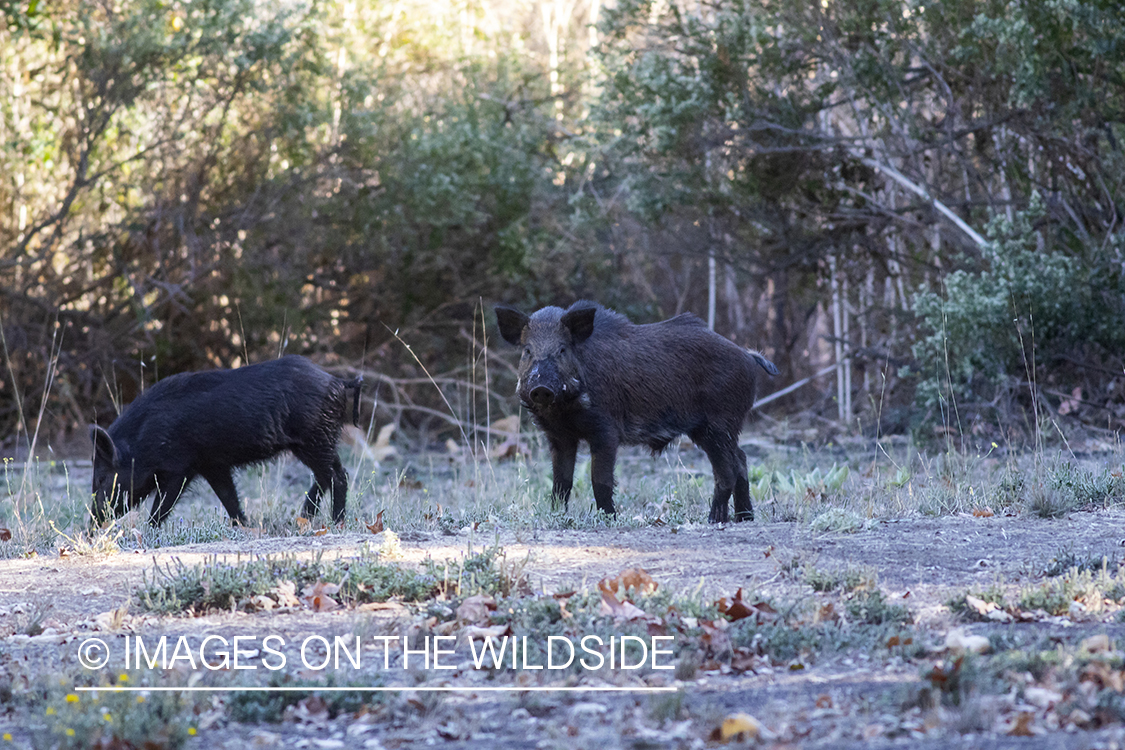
(943, 677)
(824, 701)
(5, 534)
(476, 609)
(496, 631)
(382, 606)
(261, 602)
(958, 641)
(1040, 697)
(743, 660)
(286, 594)
(983, 512)
(1097, 643)
(1021, 727)
(383, 448)
(736, 609)
(1070, 404)
(321, 531)
(739, 727)
(826, 613)
(303, 524)
(377, 527)
(625, 610)
(318, 596)
(633, 578)
(1104, 676)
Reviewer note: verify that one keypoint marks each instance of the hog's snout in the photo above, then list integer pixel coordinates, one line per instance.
(542, 396)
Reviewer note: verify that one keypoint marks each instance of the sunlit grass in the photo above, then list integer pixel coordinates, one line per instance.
(453, 493)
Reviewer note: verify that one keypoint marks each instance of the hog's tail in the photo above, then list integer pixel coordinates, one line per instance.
(357, 384)
(765, 364)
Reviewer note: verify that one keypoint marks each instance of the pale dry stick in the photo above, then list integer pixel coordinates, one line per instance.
(52, 369)
(448, 405)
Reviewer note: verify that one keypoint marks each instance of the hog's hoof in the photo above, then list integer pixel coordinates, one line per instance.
(745, 515)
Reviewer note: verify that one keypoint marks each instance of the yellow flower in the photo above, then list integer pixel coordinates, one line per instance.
(72, 698)
(140, 699)
(123, 678)
(69, 732)
(191, 731)
(50, 711)
(7, 736)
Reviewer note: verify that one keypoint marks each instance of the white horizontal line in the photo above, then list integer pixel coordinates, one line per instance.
(391, 689)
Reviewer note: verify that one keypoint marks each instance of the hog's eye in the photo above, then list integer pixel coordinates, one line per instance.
(527, 351)
(562, 350)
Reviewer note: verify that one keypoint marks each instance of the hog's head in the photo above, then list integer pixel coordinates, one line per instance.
(111, 496)
(549, 375)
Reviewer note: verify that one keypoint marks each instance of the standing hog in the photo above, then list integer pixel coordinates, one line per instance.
(588, 373)
(207, 423)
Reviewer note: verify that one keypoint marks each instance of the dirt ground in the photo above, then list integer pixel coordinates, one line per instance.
(843, 701)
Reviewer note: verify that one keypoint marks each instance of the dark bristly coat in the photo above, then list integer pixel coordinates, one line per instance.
(208, 423)
(588, 373)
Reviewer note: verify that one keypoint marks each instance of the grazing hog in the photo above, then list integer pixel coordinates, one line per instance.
(207, 423)
(588, 373)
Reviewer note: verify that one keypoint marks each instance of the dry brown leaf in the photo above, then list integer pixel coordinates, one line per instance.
(943, 677)
(382, 606)
(5, 534)
(261, 602)
(1070, 404)
(980, 606)
(318, 596)
(983, 512)
(496, 631)
(1097, 643)
(303, 524)
(633, 578)
(1104, 676)
(715, 637)
(321, 531)
(958, 641)
(286, 594)
(735, 609)
(743, 660)
(625, 610)
(476, 609)
(377, 527)
(1021, 727)
(383, 448)
(64, 551)
(739, 727)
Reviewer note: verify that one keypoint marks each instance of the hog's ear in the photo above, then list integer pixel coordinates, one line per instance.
(512, 322)
(103, 445)
(580, 322)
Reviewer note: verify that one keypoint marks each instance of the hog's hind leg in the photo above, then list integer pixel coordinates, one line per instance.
(322, 465)
(717, 446)
(743, 510)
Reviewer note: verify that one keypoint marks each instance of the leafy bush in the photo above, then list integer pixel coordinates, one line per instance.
(992, 328)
